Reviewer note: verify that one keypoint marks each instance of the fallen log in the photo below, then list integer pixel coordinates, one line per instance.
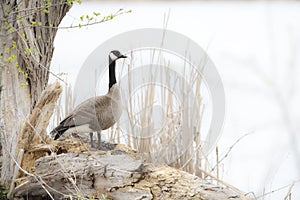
(119, 173)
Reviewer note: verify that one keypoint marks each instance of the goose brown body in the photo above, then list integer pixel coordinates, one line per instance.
(94, 114)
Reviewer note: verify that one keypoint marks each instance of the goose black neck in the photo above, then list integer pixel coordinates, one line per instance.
(112, 73)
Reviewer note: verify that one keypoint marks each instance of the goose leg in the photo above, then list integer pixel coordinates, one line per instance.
(99, 138)
(91, 137)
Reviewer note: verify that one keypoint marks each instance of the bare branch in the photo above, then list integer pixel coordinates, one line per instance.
(229, 150)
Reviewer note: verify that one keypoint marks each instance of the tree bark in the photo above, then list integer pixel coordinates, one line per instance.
(27, 32)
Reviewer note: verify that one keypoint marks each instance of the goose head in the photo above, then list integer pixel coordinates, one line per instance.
(115, 55)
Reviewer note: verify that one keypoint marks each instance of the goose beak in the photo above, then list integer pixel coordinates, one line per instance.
(122, 56)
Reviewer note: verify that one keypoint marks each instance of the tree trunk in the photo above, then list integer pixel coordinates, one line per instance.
(27, 32)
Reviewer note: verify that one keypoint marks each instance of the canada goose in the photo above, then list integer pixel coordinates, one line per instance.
(96, 113)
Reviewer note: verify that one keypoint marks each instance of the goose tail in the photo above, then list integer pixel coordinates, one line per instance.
(58, 131)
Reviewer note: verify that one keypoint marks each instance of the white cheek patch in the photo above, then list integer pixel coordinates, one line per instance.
(113, 56)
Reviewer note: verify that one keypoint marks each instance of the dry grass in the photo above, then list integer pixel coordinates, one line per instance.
(177, 142)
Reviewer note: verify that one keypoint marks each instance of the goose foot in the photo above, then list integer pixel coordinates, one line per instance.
(92, 141)
(99, 139)
(98, 146)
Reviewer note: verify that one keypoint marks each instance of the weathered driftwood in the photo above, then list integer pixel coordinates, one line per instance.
(33, 130)
(119, 173)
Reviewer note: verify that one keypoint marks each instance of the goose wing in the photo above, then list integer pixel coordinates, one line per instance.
(89, 112)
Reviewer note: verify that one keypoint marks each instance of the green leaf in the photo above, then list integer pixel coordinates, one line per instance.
(81, 17)
(96, 13)
(79, 1)
(14, 44)
(12, 57)
(70, 2)
(11, 30)
(23, 84)
(7, 50)
(79, 25)
(27, 51)
(62, 74)
(48, 3)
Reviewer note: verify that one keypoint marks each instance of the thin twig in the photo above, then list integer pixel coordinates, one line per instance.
(16, 171)
(288, 195)
(230, 149)
(105, 19)
(240, 193)
(278, 189)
